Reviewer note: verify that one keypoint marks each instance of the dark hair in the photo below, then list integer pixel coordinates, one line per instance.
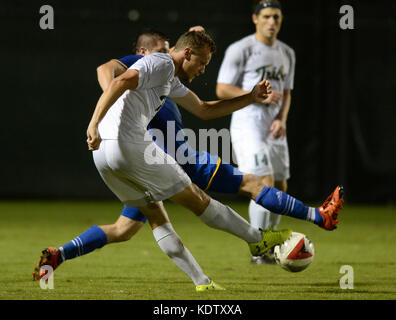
(195, 40)
(148, 39)
(268, 3)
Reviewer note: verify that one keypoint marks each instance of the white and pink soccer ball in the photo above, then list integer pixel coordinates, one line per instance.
(296, 253)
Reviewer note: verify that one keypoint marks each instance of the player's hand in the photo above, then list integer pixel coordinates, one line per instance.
(197, 29)
(93, 137)
(261, 91)
(273, 98)
(278, 128)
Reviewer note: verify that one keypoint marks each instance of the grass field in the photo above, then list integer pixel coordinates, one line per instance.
(138, 269)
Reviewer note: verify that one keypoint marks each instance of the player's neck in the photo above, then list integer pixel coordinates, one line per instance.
(268, 41)
(177, 58)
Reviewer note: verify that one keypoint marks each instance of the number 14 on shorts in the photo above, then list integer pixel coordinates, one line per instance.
(258, 158)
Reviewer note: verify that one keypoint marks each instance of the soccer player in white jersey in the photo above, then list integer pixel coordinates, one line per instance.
(141, 174)
(216, 176)
(258, 132)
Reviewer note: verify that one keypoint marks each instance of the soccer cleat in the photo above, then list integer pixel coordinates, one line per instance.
(270, 239)
(266, 258)
(330, 208)
(50, 256)
(208, 287)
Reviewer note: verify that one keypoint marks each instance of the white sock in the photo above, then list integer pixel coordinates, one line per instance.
(274, 220)
(261, 217)
(219, 216)
(171, 244)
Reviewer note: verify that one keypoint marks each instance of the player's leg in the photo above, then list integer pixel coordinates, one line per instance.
(259, 216)
(127, 225)
(217, 176)
(279, 157)
(171, 244)
(95, 237)
(228, 179)
(271, 160)
(98, 236)
(253, 157)
(282, 203)
(221, 217)
(262, 217)
(142, 178)
(275, 217)
(122, 230)
(88, 241)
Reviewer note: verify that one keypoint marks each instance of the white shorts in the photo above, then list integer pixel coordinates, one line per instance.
(257, 152)
(139, 173)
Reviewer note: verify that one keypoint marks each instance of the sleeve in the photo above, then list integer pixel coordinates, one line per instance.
(289, 81)
(153, 71)
(232, 66)
(178, 90)
(127, 61)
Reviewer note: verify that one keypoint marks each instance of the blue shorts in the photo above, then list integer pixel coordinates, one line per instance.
(133, 213)
(227, 179)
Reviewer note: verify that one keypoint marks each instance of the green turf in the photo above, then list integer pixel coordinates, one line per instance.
(138, 269)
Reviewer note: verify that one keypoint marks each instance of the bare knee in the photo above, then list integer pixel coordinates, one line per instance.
(192, 198)
(252, 185)
(120, 234)
(122, 230)
(125, 233)
(155, 214)
(113, 233)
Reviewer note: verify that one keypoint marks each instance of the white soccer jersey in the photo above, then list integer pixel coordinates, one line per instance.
(136, 169)
(248, 61)
(128, 117)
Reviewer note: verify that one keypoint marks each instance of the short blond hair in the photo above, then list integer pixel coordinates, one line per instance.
(195, 40)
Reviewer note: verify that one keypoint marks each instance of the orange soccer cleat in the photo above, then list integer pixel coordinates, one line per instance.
(51, 257)
(330, 208)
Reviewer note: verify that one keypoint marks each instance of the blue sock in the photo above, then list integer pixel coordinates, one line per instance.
(281, 203)
(93, 238)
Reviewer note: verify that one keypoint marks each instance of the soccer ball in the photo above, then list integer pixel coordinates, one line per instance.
(296, 253)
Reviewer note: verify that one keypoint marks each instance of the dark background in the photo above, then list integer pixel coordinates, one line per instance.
(341, 128)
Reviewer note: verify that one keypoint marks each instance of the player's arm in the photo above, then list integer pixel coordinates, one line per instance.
(126, 81)
(214, 109)
(108, 71)
(230, 71)
(229, 91)
(278, 126)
